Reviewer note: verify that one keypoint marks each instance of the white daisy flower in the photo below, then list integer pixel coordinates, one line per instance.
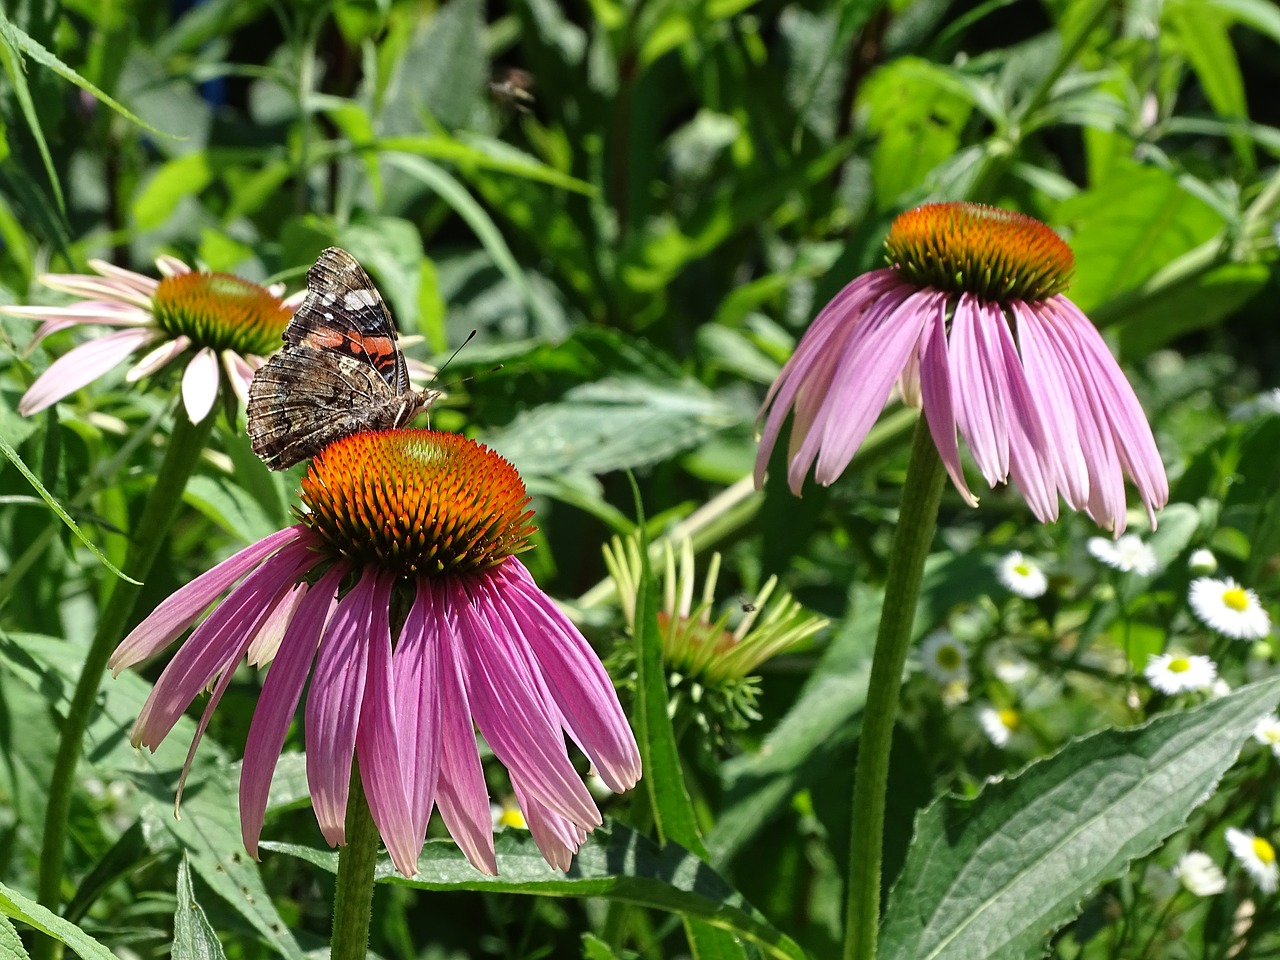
(1202, 562)
(1128, 554)
(1228, 608)
(1178, 673)
(1257, 856)
(507, 814)
(999, 725)
(1022, 576)
(944, 658)
(954, 692)
(1007, 666)
(1219, 689)
(1196, 871)
(1267, 732)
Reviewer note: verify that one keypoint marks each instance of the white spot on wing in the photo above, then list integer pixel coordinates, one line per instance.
(355, 299)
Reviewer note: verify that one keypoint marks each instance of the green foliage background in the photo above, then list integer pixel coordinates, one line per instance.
(639, 247)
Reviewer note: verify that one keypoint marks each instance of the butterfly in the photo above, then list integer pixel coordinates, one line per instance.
(340, 371)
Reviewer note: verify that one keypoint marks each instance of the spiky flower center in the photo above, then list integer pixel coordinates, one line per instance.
(417, 502)
(221, 311)
(994, 254)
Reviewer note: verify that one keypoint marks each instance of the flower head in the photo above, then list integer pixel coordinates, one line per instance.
(1177, 673)
(944, 658)
(1267, 732)
(1202, 562)
(710, 658)
(1257, 856)
(1196, 871)
(1022, 575)
(217, 324)
(999, 724)
(1128, 554)
(416, 530)
(1228, 608)
(970, 322)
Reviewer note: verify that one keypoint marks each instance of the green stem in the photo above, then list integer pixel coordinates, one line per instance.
(180, 458)
(917, 519)
(353, 897)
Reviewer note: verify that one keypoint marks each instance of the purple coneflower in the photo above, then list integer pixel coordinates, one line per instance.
(218, 323)
(417, 529)
(970, 322)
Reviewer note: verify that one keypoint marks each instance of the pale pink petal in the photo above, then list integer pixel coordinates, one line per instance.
(171, 266)
(513, 716)
(266, 642)
(979, 401)
(278, 701)
(200, 384)
(220, 639)
(239, 375)
(128, 278)
(935, 395)
(333, 708)
(416, 675)
(574, 676)
(378, 743)
(157, 358)
(94, 288)
(294, 300)
(181, 609)
(80, 367)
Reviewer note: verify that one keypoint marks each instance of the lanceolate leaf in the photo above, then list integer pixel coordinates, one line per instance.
(14, 904)
(991, 879)
(615, 863)
(193, 934)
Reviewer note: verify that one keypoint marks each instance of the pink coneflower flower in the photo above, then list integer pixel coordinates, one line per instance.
(415, 528)
(216, 323)
(970, 322)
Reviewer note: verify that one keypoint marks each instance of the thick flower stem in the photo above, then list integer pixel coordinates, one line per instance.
(353, 898)
(912, 538)
(162, 504)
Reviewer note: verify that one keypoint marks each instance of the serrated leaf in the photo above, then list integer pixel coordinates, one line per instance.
(615, 863)
(994, 877)
(56, 507)
(193, 935)
(15, 905)
(11, 947)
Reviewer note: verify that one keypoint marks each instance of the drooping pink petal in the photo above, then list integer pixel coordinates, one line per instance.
(278, 702)
(171, 266)
(181, 609)
(334, 705)
(516, 720)
(980, 412)
(378, 741)
(935, 395)
(1051, 394)
(239, 375)
(157, 358)
(557, 838)
(222, 638)
(95, 288)
(200, 384)
(1135, 444)
(270, 635)
(576, 679)
(80, 366)
(416, 672)
(461, 793)
(811, 366)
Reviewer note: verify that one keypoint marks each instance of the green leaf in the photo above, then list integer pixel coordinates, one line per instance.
(193, 935)
(11, 39)
(56, 507)
(230, 506)
(15, 905)
(11, 946)
(614, 424)
(1200, 31)
(614, 863)
(994, 877)
(1196, 302)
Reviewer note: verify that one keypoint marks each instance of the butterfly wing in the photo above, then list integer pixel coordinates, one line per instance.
(303, 399)
(344, 312)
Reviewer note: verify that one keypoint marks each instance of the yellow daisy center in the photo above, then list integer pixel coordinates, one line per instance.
(1009, 717)
(949, 658)
(994, 254)
(1265, 853)
(220, 311)
(1236, 599)
(1022, 569)
(1179, 665)
(417, 502)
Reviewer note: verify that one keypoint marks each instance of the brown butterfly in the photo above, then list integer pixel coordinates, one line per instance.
(340, 371)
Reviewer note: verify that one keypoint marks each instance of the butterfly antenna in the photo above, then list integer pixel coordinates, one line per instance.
(444, 366)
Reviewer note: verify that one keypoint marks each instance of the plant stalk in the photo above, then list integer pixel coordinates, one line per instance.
(185, 444)
(917, 520)
(353, 897)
